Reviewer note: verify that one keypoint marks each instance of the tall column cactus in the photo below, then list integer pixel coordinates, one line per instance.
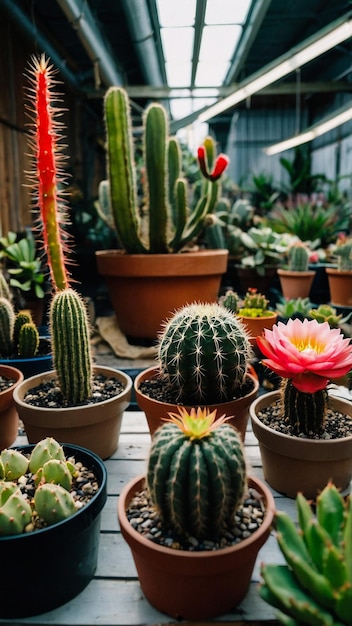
(68, 312)
(196, 473)
(172, 224)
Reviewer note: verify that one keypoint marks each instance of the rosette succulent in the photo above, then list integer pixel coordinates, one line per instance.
(307, 355)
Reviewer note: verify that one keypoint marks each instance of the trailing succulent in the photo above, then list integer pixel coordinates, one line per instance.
(52, 475)
(196, 474)
(204, 353)
(19, 335)
(315, 585)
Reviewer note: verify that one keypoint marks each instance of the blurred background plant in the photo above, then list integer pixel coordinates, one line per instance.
(19, 258)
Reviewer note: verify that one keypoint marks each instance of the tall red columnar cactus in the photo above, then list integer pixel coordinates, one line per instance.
(47, 173)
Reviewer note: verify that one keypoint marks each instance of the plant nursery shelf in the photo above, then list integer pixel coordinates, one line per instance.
(114, 596)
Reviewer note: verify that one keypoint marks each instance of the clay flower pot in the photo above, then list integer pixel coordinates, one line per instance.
(295, 284)
(48, 567)
(256, 325)
(340, 286)
(292, 464)
(194, 585)
(93, 426)
(156, 410)
(8, 411)
(145, 289)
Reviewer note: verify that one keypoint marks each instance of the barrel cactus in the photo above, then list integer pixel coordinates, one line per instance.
(204, 353)
(196, 473)
(298, 258)
(315, 585)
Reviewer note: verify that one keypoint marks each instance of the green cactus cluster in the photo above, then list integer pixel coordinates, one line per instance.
(327, 313)
(230, 300)
(71, 346)
(298, 258)
(52, 475)
(305, 412)
(343, 252)
(19, 335)
(203, 352)
(254, 304)
(315, 584)
(196, 478)
(171, 223)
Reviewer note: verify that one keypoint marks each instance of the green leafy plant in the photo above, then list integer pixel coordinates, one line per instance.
(25, 267)
(309, 221)
(224, 227)
(196, 473)
(254, 304)
(263, 247)
(315, 585)
(169, 223)
(204, 352)
(294, 308)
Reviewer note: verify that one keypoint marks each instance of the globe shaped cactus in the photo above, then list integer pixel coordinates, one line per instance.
(196, 473)
(204, 353)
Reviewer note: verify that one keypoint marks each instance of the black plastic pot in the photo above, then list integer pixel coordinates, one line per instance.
(44, 569)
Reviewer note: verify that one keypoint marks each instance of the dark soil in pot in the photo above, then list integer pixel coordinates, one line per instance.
(155, 388)
(6, 383)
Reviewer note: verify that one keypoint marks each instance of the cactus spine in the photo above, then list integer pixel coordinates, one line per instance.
(171, 224)
(22, 317)
(298, 258)
(196, 479)
(71, 345)
(28, 342)
(315, 587)
(203, 353)
(53, 503)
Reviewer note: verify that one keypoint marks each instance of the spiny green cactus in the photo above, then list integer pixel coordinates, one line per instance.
(55, 472)
(230, 300)
(4, 287)
(28, 342)
(171, 224)
(53, 503)
(254, 304)
(204, 353)
(44, 451)
(344, 256)
(71, 346)
(13, 464)
(7, 321)
(298, 258)
(196, 473)
(15, 510)
(305, 412)
(315, 586)
(22, 317)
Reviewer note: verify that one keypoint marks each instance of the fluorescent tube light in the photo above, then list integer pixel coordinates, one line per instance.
(327, 123)
(311, 48)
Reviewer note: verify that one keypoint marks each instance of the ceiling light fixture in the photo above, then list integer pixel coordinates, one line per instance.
(311, 48)
(342, 115)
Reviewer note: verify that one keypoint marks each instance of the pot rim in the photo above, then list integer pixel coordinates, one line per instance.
(258, 537)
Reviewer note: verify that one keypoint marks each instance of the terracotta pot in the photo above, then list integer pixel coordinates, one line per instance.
(340, 286)
(256, 325)
(94, 426)
(145, 289)
(292, 464)
(8, 411)
(194, 585)
(295, 284)
(156, 410)
(59, 560)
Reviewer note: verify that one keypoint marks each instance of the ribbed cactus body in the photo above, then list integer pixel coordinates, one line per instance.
(204, 353)
(71, 346)
(7, 320)
(28, 341)
(298, 258)
(344, 256)
(22, 317)
(196, 484)
(4, 287)
(304, 411)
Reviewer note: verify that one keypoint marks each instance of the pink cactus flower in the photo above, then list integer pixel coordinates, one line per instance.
(220, 166)
(308, 352)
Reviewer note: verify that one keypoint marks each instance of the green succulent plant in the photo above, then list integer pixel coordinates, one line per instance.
(315, 584)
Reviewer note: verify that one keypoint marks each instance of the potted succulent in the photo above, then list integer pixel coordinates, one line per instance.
(204, 357)
(296, 280)
(304, 434)
(158, 258)
(293, 308)
(20, 343)
(195, 484)
(314, 586)
(255, 313)
(51, 497)
(82, 404)
(340, 278)
(10, 377)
